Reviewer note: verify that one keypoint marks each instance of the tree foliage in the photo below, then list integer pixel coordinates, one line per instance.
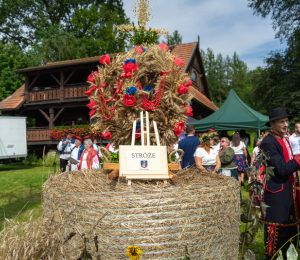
(277, 85)
(11, 58)
(85, 27)
(225, 73)
(284, 13)
(174, 39)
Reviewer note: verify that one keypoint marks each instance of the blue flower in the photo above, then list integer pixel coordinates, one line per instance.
(148, 88)
(138, 125)
(130, 90)
(190, 103)
(144, 49)
(129, 60)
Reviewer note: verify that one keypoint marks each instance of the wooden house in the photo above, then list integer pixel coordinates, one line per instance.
(53, 94)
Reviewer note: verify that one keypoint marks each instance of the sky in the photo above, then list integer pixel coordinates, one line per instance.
(225, 26)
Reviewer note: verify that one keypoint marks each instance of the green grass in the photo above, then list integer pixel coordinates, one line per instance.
(20, 191)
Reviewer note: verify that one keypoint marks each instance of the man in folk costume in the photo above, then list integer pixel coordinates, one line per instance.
(76, 151)
(64, 146)
(89, 158)
(281, 221)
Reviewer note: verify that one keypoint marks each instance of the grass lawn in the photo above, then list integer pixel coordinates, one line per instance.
(20, 192)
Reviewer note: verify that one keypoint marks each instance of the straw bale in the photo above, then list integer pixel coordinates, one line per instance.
(200, 211)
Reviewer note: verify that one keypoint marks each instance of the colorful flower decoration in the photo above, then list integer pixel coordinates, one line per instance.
(91, 106)
(178, 62)
(129, 100)
(178, 127)
(134, 252)
(163, 46)
(189, 111)
(107, 135)
(139, 49)
(189, 83)
(131, 90)
(148, 88)
(105, 59)
(182, 89)
(130, 66)
(91, 77)
(130, 60)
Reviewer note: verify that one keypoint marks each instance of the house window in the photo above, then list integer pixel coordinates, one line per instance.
(194, 77)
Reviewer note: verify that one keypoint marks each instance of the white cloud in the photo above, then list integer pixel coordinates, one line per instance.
(223, 25)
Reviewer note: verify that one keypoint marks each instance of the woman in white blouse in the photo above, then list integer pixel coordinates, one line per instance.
(240, 155)
(206, 157)
(89, 158)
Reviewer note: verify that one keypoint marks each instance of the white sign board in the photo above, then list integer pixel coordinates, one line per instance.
(143, 162)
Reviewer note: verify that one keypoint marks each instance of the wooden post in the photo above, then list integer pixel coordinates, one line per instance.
(51, 120)
(44, 160)
(133, 133)
(62, 89)
(26, 89)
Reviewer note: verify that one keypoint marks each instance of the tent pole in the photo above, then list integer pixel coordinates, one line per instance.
(258, 133)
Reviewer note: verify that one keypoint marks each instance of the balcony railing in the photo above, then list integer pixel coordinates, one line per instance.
(51, 94)
(37, 134)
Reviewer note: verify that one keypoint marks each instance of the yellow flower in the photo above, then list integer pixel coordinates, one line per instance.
(134, 252)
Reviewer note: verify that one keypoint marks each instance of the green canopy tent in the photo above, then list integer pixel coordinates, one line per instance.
(233, 114)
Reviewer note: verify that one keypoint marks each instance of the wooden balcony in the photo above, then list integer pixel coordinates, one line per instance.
(54, 93)
(36, 134)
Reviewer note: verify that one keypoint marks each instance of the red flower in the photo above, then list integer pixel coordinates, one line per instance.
(163, 46)
(91, 77)
(178, 62)
(178, 127)
(105, 59)
(138, 135)
(189, 83)
(189, 111)
(91, 106)
(182, 89)
(139, 50)
(129, 100)
(106, 135)
(130, 67)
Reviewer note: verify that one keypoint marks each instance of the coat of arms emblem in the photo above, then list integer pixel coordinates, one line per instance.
(144, 164)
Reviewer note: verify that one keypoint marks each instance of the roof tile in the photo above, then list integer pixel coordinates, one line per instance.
(13, 101)
(202, 98)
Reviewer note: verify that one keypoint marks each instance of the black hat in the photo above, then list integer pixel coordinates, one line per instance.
(277, 113)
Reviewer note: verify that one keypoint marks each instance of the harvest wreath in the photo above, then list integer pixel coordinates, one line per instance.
(147, 78)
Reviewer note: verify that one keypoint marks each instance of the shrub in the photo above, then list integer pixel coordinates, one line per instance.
(30, 159)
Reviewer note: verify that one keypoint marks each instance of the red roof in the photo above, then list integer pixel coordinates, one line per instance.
(202, 98)
(184, 51)
(15, 100)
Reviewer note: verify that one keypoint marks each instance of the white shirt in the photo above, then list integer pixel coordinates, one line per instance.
(96, 148)
(74, 155)
(60, 147)
(207, 158)
(245, 141)
(295, 143)
(256, 150)
(217, 147)
(84, 164)
(238, 149)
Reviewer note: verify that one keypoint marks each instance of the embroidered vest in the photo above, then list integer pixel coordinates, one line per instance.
(65, 139)
(80, 151)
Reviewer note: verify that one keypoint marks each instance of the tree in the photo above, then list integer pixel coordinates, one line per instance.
(88, 23)
(224, 74)
(11, 58)
(174, 39)
(278, 84)
(284, 13)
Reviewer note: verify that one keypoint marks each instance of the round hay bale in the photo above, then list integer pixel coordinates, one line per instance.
(200, 211)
